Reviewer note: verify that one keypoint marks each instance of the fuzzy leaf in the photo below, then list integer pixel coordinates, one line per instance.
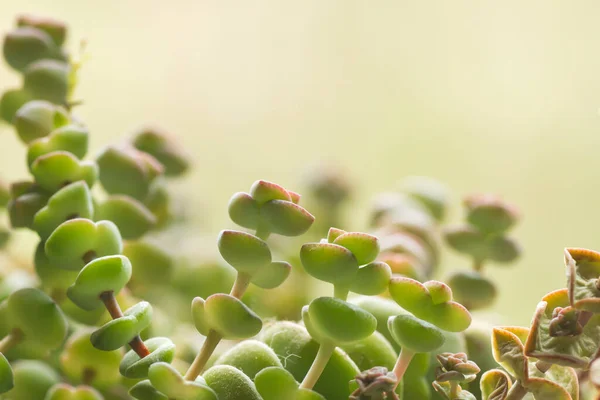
(230, 383)
(161, 350)
(329, 262)
(231, 318)
(509, 352)
(167, 380)
(415, 334)
(583, 273)
(495, 385)
(243, 251)
(250, 357)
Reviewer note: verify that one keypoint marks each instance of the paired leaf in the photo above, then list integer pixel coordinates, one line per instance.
(226, 315)
(161, 350)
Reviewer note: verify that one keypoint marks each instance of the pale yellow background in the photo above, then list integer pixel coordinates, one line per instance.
(497, 96)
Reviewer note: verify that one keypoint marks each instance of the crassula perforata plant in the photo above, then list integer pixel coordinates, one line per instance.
(93, 311)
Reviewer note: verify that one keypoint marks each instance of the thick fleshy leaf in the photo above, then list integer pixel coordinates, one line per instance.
(22, 208)
(565, 377)
(583, 272)
(275, 383)
(118, 332)
(56, 29)
(37, 316)
(372, 279)
(48, 80)
(472, 289)
(230, 383)
(509, 352)
(382, 309)
(130, 215)
(55, 170)
(489, 214)
(128, 171)
(503, 250)
(243, 251)
(495, 385)
(444, 389)
(104, 274)
(417, 298)
(24, 45)
(144, 390)
(547, 390)
(10, 102)
(250, 357)
(37, 119)
(231, 318)
(161, 350)
(285, 218)
(329, 319)
(333, 234)
(329, 262)
(415, 334)
(32, 380)
(199, 316)
(52, 277)
(297, 350)
(167, 380)
(373, 350)
(164, 148)
(72, 201)
(72, 138)
(364, 247)
(7, 379)
(62, 391)
(150, 263)
(272, 275)
(264, 191)
(75, 242)
(467, 240)
(555, 339)
(244, 210)
(80, 360)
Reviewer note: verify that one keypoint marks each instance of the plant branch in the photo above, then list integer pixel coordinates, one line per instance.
(113, 308)
(208, 347)
(404, 360)
(11, 340)
(318, 366)
(242, 281)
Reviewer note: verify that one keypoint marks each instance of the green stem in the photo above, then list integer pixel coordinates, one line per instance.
(404, 360)
(242, 281)
(454, 390)
(516, 392)
(478, 264)
(262, 232)
(316, 369)
(340, 292)
(11, 340)
(208, 347)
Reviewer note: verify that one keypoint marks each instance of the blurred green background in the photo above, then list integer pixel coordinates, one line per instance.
(497, 97)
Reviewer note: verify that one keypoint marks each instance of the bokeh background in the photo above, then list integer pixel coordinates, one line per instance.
(499, 97)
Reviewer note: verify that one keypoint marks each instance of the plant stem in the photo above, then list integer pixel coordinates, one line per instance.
(242, 281)
(454, 389)
(478, 264)
(516, 392)
(110, 301)
(316, 369)
(209, 346)
(404, 360)
(262, 232)
(340, 292)
(11, 340)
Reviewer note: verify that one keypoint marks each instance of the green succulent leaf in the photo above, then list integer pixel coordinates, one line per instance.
(72, 138)
(495, 385)
(285, 218)
(329, 262)
(272, 275)
(489, 214)
(250, 357)
(509, 352)
(230, 383)
(72, 201)
(48, 80)
(62, 391)
(132, 217)
(168, 381)
(7, 379)
(503, 250)
(231, 318)
(37, 317)
(104, 274)
(24, 45)
(467, 240)
(556, 339)
(55, 170)
(76, 241)
(161, 350)
(37, 119)
(243, 251)
(583, 273)
(144, 390)
(415, 334)
(118, 332)
(244, 210)
(52, 278)
(275, 383)
(547, 390)
(57, 30)
(364, 247)
(32, 380)
(373, 350)
(372, 279)
(80, 359)
(431, 302)
(263, 191)
(565, 377)
(128, 171)
(151, 264)
(472, 289)
(11, 101)
(23, 207)
(329, 319)
(164, 148)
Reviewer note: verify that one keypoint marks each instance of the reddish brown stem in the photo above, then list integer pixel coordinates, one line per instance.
(113, 308)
